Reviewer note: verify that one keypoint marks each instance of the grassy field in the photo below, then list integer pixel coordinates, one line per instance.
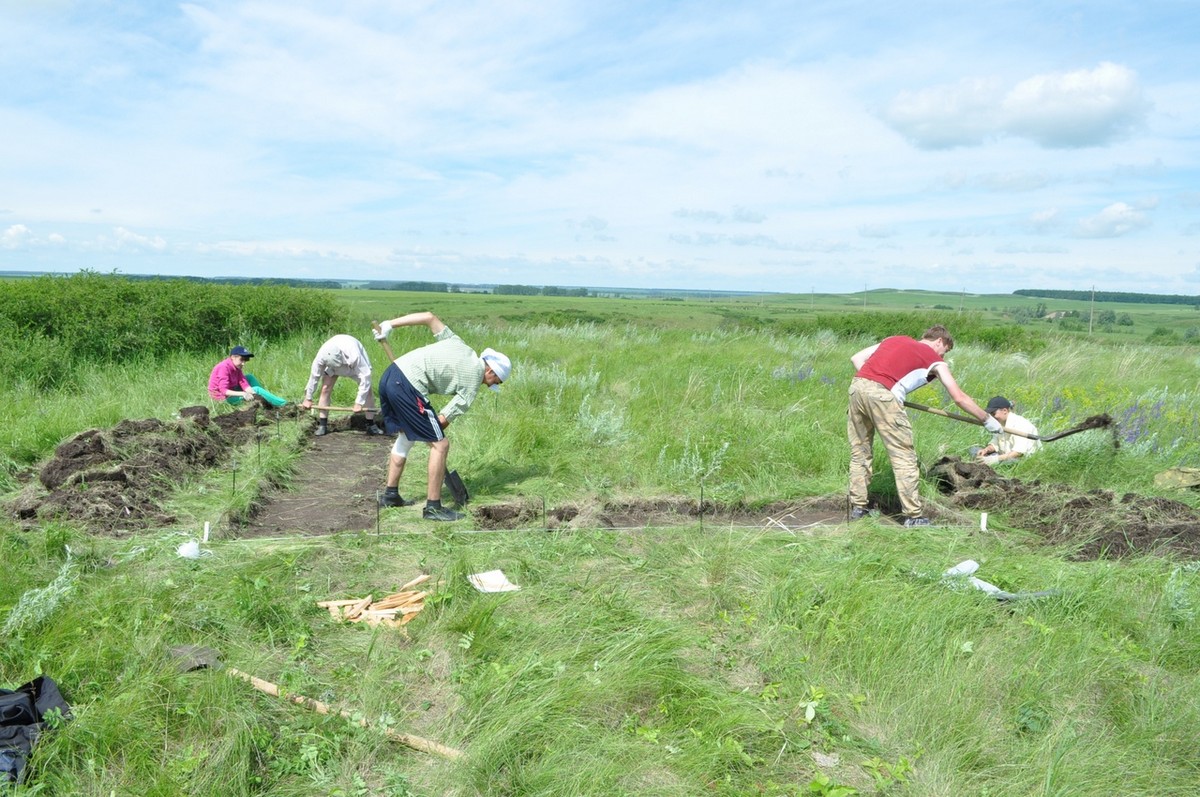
(671, 660)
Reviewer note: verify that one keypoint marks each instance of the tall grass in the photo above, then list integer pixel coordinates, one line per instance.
(671, 661)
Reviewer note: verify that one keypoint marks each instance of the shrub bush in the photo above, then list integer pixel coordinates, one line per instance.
(965, 327)
(57, 321)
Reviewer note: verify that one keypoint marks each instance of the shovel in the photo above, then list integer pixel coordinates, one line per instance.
(1094, 422)
(454, 484)
(196, 657)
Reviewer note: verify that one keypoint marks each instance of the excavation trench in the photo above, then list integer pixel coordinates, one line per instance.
(117, 481)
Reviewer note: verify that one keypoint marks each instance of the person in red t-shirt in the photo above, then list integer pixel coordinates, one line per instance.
(884, 376)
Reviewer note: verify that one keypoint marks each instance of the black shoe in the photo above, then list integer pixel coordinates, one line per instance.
(321, 429)
(441, 513)
(393, 499)
(916, 521)
(374, 431)
(858, 512)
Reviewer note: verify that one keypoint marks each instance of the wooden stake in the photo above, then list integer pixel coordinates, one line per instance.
(406, 739)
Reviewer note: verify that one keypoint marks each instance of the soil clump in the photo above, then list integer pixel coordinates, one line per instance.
(114, 481)
(1094, 524)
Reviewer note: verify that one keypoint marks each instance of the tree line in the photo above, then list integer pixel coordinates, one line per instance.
(1111, 296)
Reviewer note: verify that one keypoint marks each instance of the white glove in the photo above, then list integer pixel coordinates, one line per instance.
(993, 425)
(385, 328)
(991, 460)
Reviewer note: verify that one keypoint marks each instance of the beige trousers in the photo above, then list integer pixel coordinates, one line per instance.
(873, 409)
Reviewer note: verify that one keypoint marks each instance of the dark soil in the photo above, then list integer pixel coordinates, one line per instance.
(114, 481)
(1092, 525)
(668, 511)
(335, 490)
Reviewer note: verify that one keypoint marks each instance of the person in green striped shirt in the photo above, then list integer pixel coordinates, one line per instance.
(446, 367)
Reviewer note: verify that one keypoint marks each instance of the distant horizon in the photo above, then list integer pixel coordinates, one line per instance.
(603, 288)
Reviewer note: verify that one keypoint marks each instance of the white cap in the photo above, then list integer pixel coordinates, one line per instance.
(501, 366)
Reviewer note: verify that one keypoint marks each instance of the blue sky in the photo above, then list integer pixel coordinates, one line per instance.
(751, 145)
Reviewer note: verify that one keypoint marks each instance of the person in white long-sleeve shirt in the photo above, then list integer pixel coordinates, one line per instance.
(1006, 446)
(341, 355)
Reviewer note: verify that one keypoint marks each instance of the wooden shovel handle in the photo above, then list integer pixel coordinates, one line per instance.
(963, 418)
(407, 739)
(387, 349)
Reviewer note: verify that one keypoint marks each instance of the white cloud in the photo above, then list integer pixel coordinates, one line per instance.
(711, 216)
(1114, 221)
(739, 214)
(127, 239)
(961, 114)
(1044, 220)
(15, 237)
(1081, 108)
(1076, 109)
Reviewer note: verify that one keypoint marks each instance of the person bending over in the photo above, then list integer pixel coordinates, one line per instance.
(446, 367)
(885, 374)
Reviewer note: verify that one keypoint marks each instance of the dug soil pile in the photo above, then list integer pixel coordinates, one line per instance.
(1091, 525)
(114, 481)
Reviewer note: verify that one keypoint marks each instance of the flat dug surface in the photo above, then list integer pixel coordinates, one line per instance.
(334, 490)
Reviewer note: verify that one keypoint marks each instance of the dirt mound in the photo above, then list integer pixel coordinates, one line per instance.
(664, 511)
(115, 480)
(1095, 524)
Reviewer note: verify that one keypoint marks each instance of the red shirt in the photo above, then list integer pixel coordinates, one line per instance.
(901, 364)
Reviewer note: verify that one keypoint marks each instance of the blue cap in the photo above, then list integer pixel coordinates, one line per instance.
(241, 351)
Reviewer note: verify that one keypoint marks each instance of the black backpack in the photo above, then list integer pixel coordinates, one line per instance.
(23, 713)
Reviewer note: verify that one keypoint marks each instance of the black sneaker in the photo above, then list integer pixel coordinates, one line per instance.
(441, 513)
(858, 512)
(321, 429)
(393, 499)
(916, 521)
(374, 431)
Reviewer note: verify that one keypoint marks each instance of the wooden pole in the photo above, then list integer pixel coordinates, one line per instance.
(406, 739)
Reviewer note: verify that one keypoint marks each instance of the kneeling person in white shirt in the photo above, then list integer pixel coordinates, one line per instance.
(1006, 447)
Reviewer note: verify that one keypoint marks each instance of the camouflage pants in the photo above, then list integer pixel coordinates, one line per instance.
(873, 409)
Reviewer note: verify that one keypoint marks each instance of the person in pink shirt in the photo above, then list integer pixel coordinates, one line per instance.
(228, 383)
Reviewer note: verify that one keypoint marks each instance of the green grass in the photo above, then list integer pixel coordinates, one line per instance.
(667, 661)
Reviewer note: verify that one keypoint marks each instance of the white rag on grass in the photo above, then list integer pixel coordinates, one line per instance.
(962, 573)
(492, 581)
(967, 568)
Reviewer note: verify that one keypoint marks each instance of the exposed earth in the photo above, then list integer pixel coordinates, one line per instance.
(115, 481)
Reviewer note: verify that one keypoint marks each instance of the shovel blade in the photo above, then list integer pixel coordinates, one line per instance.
(454, 483)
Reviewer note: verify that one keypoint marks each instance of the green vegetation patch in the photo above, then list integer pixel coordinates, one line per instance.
(56, 322)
